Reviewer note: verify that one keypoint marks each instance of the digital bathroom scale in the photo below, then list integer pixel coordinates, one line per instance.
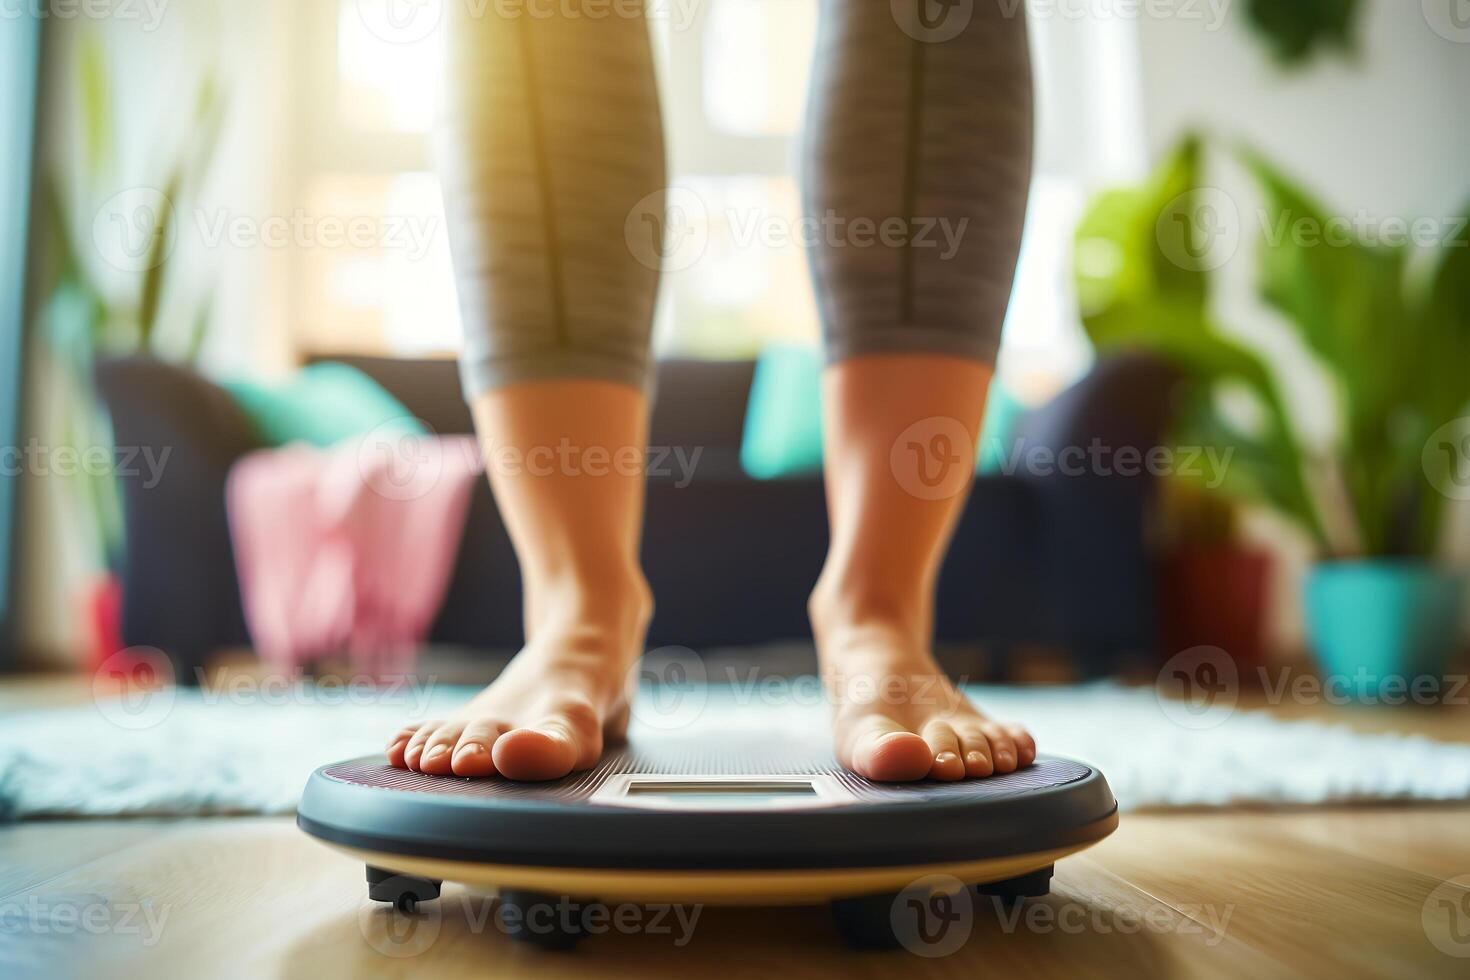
(735, 817)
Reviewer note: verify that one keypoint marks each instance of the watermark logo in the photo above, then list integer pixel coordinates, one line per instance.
(1198, 688)
(934, 916)
(135, 230)
(401, 21)
(1446, 459)
(933, 458)
(668, 230)
(668, 688)
(400, 460)
(398, 934)
(134, 688)
(1450, 19)
(932, 21)
(1446, 917)
(1199, 231)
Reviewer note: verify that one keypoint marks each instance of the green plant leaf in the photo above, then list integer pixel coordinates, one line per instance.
(66, 262)
(198, 331)
(1350, 303)
(1294, 29)
(1139, 290)
(96, 106)
(1124, 243)
(157, 269)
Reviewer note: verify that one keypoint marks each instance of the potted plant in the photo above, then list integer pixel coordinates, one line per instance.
(1213, 587)
(1388, 325)
(109, 296)
(1294, 29)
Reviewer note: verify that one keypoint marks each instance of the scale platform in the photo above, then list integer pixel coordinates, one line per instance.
(721, 817)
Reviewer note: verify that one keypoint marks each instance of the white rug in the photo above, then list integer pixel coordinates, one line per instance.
(187, 753)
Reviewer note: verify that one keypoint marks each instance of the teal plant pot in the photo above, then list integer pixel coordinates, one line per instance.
(1378, 627)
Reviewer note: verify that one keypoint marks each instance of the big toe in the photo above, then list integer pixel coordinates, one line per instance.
(535, 754)
(892, 757)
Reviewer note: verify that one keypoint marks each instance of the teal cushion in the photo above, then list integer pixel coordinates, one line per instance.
(783, 420)
(322, 405)
(1003, 414)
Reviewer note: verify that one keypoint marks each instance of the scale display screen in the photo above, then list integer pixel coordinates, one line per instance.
(743, 792)
(720, 792)
(744, 787)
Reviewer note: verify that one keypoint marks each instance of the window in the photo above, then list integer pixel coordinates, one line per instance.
(734, 81)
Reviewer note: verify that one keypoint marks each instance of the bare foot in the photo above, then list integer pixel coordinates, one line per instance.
(897, 717)
(548, 714)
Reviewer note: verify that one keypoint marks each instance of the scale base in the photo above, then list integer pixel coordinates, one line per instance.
(865, 922)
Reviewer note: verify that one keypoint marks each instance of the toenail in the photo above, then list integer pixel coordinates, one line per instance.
(975, 758)
(471, 747)
(946, 757)
(436, 751)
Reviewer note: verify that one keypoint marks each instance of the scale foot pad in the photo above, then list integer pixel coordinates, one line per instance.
(541, 920)
(876, 922)
(403, 892)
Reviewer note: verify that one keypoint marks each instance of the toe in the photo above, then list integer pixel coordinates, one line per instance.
(414, 750)
(439, 749)
(975, 750)
(472, 754)
(884, 751)
(1025, 745)
(397, 744)
(1002, 747)
(944, 749)
(549, 750)
(534, 754)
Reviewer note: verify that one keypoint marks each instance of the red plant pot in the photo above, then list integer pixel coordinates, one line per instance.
(102, 612)
(1215, 597)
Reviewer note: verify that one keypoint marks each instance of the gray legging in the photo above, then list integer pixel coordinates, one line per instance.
(916, 167)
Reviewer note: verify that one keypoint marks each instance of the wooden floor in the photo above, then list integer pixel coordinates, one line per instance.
(1321, 892)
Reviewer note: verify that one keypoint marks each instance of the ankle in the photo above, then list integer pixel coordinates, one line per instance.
(613, 604)
(846, 609)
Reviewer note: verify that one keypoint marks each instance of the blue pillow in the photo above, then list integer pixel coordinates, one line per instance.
(322, 405)
(783, 420)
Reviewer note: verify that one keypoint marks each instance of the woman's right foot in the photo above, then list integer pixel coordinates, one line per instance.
(552, 709)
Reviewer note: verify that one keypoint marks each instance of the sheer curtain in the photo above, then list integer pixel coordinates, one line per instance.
(734, 76)
(735, 79)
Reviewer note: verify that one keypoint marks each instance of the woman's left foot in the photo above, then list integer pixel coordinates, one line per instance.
(897, 717)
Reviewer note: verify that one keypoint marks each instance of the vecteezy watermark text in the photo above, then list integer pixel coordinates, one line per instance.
(407, 233)
(40, 459)
(147, 12)
(398, 935)
(415, 21)
(1210, 464)
(567, 458)
(138, 228)
(87, 915)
